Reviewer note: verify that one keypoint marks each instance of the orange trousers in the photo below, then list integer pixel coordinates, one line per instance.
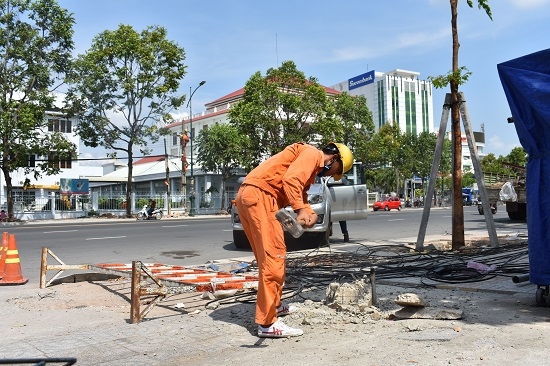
(257, 213)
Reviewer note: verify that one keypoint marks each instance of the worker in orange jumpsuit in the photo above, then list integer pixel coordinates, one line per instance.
(280, 181)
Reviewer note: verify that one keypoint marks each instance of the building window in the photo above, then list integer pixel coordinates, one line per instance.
(24, 200)
(410, 107)
(381, 103)
(143, 188)
(175, 139)
(28, 161)
(425, 114)
(59, 125)
(31, 161)
(60, 163)
(395, 102)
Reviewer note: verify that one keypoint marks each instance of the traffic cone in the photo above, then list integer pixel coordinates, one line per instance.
(3, 250)
(12, 267)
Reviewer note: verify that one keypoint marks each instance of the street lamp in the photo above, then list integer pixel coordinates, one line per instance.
(192, 137)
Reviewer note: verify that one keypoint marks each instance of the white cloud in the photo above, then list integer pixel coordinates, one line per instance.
(496, 145)
(529, 4)
(426, 40)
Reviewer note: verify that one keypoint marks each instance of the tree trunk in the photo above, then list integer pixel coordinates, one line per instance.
(458, 210)
(9, 193)
(224, 179)
(397, 180)
(129, 203)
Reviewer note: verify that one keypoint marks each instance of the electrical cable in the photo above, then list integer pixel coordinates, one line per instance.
(316, 270)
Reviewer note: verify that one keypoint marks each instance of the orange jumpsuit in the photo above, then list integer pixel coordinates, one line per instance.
(280, 181)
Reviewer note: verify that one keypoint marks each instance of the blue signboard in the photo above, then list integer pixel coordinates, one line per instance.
(361, 80)
(73, 186)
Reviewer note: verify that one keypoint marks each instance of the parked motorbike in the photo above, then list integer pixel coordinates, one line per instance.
(144, 215)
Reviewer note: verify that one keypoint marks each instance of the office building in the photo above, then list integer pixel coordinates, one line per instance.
(395, 96)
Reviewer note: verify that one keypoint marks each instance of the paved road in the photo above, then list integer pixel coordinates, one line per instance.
(192, 241)
(91, 241)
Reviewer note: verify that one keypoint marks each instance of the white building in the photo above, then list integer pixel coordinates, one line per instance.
(35, 196)
(479, 146)
(395, 96)
(400, 96)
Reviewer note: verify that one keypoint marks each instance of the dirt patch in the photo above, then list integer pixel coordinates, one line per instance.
(472, 242)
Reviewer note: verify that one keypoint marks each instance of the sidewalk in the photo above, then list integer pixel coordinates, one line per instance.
(107, 219)
(90, 320)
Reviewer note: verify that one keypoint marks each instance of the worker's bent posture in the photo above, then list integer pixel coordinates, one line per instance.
(280, 181)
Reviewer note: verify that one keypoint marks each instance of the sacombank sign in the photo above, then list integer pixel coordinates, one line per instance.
(361, 80)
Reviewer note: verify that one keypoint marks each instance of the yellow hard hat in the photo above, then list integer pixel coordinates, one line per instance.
(346, 157)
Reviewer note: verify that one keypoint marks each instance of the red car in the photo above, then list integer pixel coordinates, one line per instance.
(388, 203)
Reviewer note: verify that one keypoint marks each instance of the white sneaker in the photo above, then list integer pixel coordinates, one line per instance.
(278, 330)
(285, 309)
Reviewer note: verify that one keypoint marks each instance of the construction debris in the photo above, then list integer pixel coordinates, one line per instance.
(410, 299)
(339, 295)
(415, 307)
(414, 312)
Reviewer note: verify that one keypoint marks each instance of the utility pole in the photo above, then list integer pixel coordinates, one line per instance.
(184, 139)
(192, 198)
(167, 181)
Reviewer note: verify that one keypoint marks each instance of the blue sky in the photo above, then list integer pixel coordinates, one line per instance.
(227, 41)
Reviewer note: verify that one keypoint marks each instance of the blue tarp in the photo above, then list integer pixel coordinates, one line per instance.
(526, 83)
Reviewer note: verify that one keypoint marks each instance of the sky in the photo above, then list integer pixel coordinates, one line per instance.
(226, 42)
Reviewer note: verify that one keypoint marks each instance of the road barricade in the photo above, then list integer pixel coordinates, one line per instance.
(156, 279)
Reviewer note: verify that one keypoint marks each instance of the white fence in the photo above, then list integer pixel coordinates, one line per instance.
(74, 206)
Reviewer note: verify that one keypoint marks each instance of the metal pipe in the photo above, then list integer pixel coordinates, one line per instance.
(520, 278)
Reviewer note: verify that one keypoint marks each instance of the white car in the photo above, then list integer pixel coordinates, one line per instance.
(332, 201)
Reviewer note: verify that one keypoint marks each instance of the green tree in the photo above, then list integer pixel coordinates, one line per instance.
(279, 109)
(285, 107)
(389, 141)
(35, 48)
(468, 179)
(419, 151)
(491, 164)
(377, 159)
(445, 166)
(457, 76)
(382, 179)
(424, 153)
(408, 156)
(374, 156)
(123, 85)
(511, 164)
(357, 125)
(518, 156)
(220, 147)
